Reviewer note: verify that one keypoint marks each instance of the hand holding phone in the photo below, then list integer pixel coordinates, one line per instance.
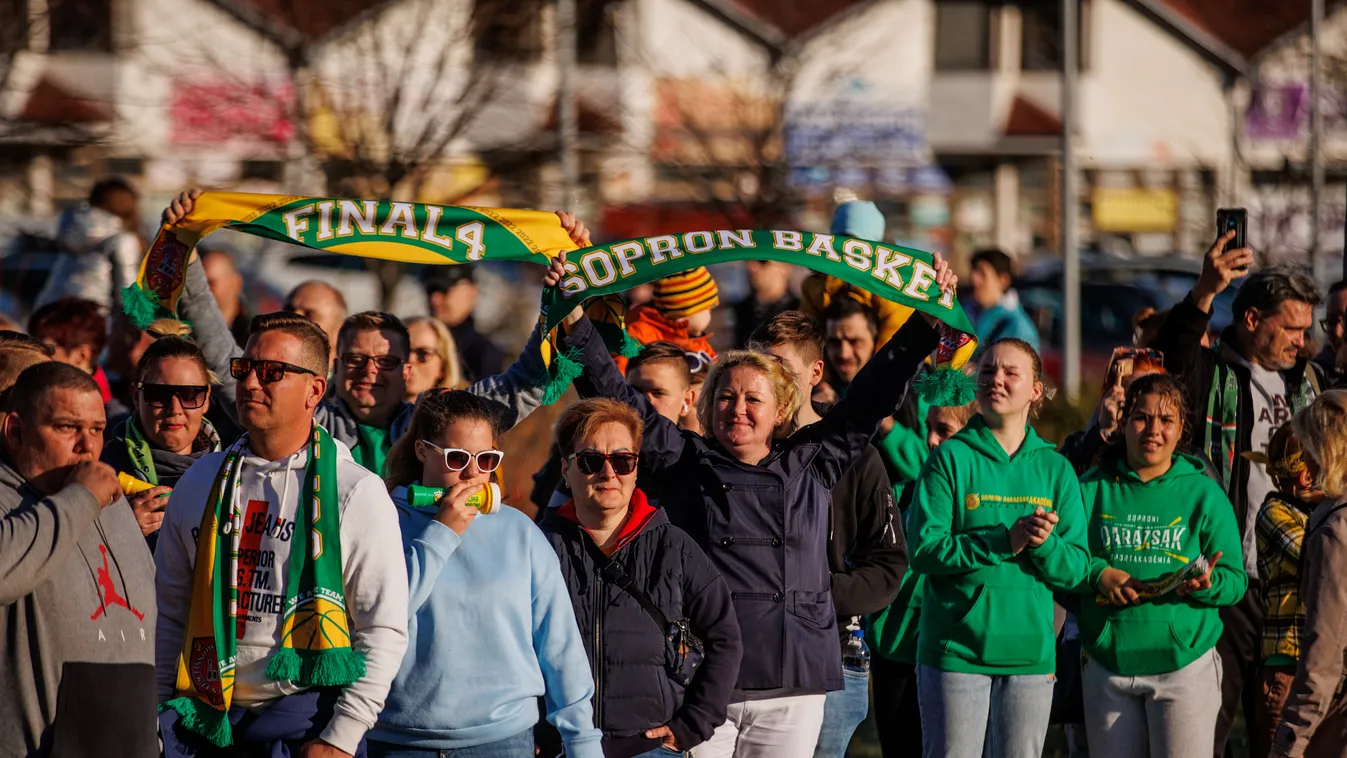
(1233, 220)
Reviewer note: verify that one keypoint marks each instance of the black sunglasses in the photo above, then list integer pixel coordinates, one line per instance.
(424, 354)
(267, 371)
(358, 361)
(192, 396)
(591, 462)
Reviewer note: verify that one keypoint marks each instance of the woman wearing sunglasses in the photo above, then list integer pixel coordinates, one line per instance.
(167, 430)
(619, 553)
(434, 357)
(491, 625)
(756, 497)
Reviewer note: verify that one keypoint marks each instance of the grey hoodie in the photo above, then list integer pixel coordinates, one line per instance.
(99, 257)
(77, 610)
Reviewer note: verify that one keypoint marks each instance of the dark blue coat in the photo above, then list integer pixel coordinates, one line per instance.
(633, 691)
(765, 526)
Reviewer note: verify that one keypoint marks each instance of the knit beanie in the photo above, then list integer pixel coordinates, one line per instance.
(859, 218)
(681, 295)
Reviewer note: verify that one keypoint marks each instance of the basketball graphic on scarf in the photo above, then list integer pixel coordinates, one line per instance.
(317, 624)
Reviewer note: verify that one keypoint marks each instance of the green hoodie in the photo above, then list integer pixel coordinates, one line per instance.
(1151, 529)
(984, 609)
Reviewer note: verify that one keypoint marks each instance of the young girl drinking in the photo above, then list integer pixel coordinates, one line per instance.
(996, 526)
(491, 622)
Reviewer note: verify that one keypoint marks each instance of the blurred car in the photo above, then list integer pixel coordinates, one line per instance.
(1113, 290)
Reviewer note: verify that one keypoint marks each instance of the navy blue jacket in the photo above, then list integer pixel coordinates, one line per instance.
(765, 526)
(632, 689)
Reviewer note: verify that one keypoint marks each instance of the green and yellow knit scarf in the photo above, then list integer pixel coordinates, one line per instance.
(315, 631)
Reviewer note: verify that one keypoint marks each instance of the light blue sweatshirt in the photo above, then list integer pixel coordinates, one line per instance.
(491, 631)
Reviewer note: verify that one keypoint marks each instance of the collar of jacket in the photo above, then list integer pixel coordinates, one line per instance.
(1293, 377)
(639, 514)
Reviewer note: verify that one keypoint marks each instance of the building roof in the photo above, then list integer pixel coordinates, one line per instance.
(795, 17)
(52, 104)
(1026, 119)
(297, 22)
(1246, 26)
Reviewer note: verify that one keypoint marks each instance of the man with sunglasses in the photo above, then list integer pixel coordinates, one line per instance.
(263, 500)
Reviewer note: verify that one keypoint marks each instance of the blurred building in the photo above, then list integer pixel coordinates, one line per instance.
(692, 113)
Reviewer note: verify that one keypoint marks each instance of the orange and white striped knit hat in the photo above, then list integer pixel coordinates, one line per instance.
(681, 295)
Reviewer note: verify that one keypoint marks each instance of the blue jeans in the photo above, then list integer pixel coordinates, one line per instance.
(843, 711)
(518, 746)
(661, 752)
(981, 716)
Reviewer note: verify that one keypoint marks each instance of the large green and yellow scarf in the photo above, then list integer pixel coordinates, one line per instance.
(418, 233)
(315, 630)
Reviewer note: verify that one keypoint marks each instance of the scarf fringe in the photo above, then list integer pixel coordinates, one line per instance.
(143, 306)
(566, 368)
(945, 387)
(333, 667)
(200, 718)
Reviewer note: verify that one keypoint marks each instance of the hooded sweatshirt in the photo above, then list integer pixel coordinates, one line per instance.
(986, 609)
(491, 631)
(100, 257)
(646, 325)
(1150, 530)
(373, 573)
(78, 612)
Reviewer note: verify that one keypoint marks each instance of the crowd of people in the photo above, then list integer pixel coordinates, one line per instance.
(282, 534)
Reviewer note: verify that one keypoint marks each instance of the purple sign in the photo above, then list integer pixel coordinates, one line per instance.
(1279, 112)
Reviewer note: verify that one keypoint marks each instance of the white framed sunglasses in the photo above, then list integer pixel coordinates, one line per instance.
(457, 459)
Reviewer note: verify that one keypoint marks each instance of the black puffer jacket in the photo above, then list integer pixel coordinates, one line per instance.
(765, 526)
(633, 692)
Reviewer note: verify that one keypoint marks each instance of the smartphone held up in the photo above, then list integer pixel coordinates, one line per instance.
(1236, 220)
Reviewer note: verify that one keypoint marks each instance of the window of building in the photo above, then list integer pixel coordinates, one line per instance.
(963, 35)
(507, 31)
(1041, 35)
(80, 25)
(596, 33)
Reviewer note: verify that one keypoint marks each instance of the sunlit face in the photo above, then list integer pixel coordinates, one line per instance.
(369, 389)
(663, 386)
(427, 368)
(1278, 338)
(605, 491)
(851, 343)
(941, 424)
(283, 403)
(1153, 430)
(320, 305)
(170, 425)
(1006, 382)
(699, 322)
(807, 375)
(745, 410)
(473, 435)
(46, 442)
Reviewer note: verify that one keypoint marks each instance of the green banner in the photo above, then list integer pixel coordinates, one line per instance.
(902, 275)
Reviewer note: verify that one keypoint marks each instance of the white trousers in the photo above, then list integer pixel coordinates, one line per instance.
(783, 727)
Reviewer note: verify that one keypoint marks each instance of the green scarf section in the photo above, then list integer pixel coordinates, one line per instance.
(315, 630)
(142, 455)
(1220, 433)
(372, 448)
(902, 275)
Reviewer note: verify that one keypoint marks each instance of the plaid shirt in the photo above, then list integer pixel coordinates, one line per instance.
(1280, 529)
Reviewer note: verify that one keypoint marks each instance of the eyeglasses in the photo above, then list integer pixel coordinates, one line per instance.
(423, 355)
(267, 371)
(590, 462)
(358, 361)
(192, 396)
(1329, 324)
(698, 361)
(457, 459)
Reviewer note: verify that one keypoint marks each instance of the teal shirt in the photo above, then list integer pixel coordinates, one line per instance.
(373, 448)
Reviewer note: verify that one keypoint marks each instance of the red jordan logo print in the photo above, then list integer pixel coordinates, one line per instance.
(108, 591)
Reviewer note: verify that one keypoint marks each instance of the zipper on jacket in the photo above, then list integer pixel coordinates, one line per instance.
(755, 541)
(596, 663)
